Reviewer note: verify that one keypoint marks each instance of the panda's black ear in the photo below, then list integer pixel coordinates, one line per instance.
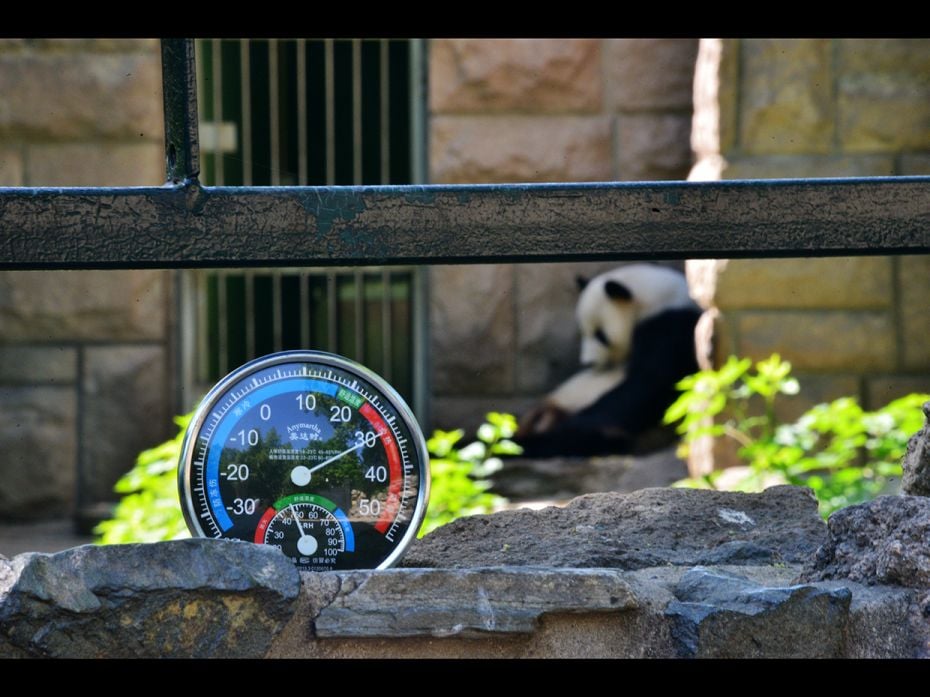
(617, 291)
(581, 282)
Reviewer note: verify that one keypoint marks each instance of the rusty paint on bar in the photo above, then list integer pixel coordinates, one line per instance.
(194, 226)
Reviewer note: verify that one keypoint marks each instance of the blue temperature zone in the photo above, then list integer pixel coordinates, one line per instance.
(221, 434)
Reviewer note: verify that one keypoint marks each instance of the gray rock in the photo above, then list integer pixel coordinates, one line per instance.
(884, 541)
(472, 602)
(916, 462)
(650, 527)
(727, 616)
(38, 439)
(188, 598)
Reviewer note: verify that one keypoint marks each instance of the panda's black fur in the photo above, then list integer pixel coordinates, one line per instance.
(627, 417)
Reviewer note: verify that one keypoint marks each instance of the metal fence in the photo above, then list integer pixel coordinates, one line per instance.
(308, 112)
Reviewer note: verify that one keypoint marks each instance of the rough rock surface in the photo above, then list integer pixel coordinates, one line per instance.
(885, 541)
(916, 462)
(726, 616)
(188, 598)
(447, 602)
(651, 527)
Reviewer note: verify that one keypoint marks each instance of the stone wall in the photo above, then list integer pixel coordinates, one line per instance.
(538, 111)
(84, 355)
(819, 108)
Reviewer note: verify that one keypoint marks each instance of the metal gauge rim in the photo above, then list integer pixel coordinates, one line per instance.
(384, 390)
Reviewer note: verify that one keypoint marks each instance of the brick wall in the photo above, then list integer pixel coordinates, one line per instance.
(84, 356)
(538, 111)
(816, 108)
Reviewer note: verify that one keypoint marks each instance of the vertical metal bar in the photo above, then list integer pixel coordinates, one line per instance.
(330, 87)
(386, 333)
(250, 314)
(419, 170)
(217, 92)
(179, 77)
(419, 174)
(203, 346)
(302, 112)
(276, 309)
(385, 121)
(223, 329)
(274, 109)
(359, 317)
(420, 357)
(304, 309)
(332, 324)
(356, 111)
(245, 72)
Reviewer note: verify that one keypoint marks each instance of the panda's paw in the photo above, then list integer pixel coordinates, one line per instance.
(540, 419)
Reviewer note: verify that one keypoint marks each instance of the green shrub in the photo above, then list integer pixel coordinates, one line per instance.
(150, 510)
(460, 475)
(845, 454)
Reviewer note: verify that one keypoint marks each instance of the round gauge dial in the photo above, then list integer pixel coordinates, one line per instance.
(309, 452)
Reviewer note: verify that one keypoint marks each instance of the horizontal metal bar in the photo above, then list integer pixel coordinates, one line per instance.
(194, 226)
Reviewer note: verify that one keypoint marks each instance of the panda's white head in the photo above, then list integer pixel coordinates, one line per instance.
(612, 304)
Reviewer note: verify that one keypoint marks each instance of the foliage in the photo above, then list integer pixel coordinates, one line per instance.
(845, 454)
(459, 475)
(149, 510)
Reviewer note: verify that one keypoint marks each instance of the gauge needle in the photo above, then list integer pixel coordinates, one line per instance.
(307, 544)
(336, 457)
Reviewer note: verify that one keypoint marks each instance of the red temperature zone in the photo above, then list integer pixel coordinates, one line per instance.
(394, 467)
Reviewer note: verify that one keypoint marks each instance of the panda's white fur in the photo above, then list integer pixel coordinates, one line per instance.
(654, 289)
(610, 308)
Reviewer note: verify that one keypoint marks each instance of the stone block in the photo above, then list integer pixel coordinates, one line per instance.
(716, 81)
(914, 311)
(449, 412)
(883, 94)
(788, 166)
(786, 96)
(653, 146)
(886, 388)
(820, 340)
(481, 149)
(181, 599)
(502, 600)
(727, 616)
(472, 352)
(80, 95)
(914, 164)
(96, 164)
(11, 167)
(546, 329)
(124, 412)
(815, 389)
(37, 365)
(528, 75)
(649, 74)
(38, 441)
(863, 283)
(111, 45)
(52, 306)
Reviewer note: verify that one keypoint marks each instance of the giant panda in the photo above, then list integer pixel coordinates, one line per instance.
(637, 327)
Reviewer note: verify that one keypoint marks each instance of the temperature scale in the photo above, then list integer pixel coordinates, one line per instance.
(309, 452)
